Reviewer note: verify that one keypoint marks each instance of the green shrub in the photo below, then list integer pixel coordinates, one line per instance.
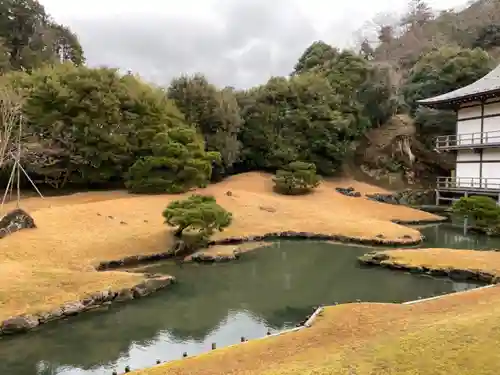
(197, 213)
(296, 179)
(484, 211)
(179, 163)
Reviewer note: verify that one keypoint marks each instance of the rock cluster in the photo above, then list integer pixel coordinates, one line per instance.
(404, 240)
(406, 197)
(24, 323)
(202, 257)
(133, 260)
(349, 191)
(14, 221)
(384, 260)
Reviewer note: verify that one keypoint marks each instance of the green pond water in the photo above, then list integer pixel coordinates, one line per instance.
(272, 289)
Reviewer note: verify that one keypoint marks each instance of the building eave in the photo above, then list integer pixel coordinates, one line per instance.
(480, 90)
(455, 103)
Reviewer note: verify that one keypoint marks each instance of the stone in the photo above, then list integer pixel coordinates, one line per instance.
(140, 290)
(72, 308)
(437, 272)
(349, 191)
(14, 221)
(19, 324)
(49, 316)
(268, 209)
(124, 295)
(461, 274)
(157, 283)
(380, 257)
(486, 277)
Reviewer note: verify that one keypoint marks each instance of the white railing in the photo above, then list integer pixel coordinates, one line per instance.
(468, 139)
(475, 183)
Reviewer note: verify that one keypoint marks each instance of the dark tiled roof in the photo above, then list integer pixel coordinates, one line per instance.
(488, 84)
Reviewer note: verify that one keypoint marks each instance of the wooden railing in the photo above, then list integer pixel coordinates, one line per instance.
(468, 139)
(473, 183)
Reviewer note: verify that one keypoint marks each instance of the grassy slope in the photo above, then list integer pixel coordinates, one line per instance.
(45, 267)
(487, 261)
(455, 334)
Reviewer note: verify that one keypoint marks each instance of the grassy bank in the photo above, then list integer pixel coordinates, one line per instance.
(445, 259)
(453, 334)
(45, 267)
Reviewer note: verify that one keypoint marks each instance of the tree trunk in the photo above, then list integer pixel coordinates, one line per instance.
(178, 232)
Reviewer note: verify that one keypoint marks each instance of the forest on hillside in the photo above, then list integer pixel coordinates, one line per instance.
(96, 127)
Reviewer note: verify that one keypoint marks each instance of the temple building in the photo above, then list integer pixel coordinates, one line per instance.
(476, 141)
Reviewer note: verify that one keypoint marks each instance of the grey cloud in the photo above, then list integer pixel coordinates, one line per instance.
(251, 40)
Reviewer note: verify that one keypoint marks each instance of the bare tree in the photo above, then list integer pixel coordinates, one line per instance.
(11, 102)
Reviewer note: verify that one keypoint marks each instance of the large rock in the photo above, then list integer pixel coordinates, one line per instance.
(349, 191)
(72, 308)
(406, 197)
(15, 221)
(19, 324)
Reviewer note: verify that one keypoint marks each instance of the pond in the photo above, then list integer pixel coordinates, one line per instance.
(452, 237)
(271, 289)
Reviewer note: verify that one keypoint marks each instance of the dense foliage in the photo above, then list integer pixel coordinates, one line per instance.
(445, 70)
(484, 212)
(198, 213)
(96, 127)
(438, 72)
(178, 162)
(29, 38)
(88, 126)
(295, 119)
(214, 112)
(296, 178)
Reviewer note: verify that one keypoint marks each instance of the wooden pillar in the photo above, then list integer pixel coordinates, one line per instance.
(437, 197)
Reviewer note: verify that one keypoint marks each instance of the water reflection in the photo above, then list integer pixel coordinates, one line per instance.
(270, 289)
(452, 236)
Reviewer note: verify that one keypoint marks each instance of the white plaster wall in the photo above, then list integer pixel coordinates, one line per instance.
(491, 154)
(469, 132)
(467, 174)
(492, 170)
(492, 109)
(468, 112)
(491, 124)
(468, 155)
(491, 128)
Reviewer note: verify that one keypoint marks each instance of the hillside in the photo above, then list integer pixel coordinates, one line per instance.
(475, 26)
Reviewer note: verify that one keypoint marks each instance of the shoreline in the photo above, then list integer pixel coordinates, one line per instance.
(93, 302)
(135, 260)
(310, 321)
(382, 259)
(26, 322)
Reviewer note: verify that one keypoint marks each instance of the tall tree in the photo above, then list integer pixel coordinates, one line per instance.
(214, 112)
(316, 55)
(294, 119)
(418, 14)
(32, 38)
(438, 72)
(444, 70)
(88, 126)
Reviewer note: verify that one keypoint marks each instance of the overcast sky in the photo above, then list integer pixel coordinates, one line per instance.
(234, 42)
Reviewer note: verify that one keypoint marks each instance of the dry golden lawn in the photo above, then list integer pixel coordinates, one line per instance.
(456, 334)
(53, 264)
(486, 261)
